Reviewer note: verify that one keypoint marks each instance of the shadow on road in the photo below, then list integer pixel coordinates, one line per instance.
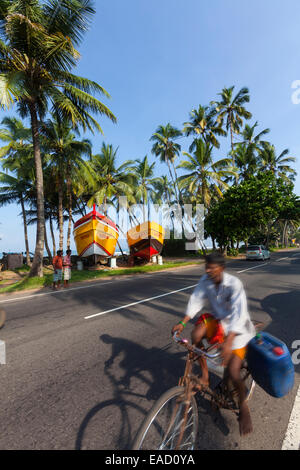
(133, 367)
(284, 308)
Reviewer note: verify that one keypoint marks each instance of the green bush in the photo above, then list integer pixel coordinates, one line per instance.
(232, 252)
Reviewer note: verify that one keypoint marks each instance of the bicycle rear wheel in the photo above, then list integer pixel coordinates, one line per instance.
(162, 427)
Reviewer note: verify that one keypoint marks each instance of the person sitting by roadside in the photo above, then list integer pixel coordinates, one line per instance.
(58, 267)
(67, 265)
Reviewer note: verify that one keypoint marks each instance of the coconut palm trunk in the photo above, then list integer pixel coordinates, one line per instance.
(47, 247)
(25, 231)
(37, 264)
(60, 214)
(70, 200)
(52, 236)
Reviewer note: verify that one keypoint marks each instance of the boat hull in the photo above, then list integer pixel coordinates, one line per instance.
(95, 234)
(146, 240)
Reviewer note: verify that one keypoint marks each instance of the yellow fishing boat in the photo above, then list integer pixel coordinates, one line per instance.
(146, 240)
(95, 234)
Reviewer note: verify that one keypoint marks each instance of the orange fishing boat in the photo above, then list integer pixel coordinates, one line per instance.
(95, 234)
(146, 240)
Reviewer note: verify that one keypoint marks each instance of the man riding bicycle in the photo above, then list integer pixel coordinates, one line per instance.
(229, 324)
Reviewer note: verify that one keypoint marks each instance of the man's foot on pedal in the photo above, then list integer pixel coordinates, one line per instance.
(245, 421)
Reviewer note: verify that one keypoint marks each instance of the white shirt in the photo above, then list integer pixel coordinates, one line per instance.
(229, 305)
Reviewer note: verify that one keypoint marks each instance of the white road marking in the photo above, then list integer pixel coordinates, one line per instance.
(65, 291)
(62, 291)
(139, 302)
(15, 299)
(248, 269)
(292, 436)
(287, 257)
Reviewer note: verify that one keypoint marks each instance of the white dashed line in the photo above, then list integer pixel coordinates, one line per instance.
(248, 269)
(139, 302)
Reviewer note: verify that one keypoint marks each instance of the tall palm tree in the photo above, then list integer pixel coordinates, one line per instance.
(66, 158)
(278, 164)
(167, 149)
(203, 174)
(203, 124)
(144, 183)
(17, 159)
(14, 190)
(109, 179)
(15, 135)
(38, 41)
(231, 109)
(249, 136)
(245, 159)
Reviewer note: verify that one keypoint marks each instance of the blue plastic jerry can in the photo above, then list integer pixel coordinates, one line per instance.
(270, 364)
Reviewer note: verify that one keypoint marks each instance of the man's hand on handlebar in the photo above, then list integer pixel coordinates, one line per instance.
(177, 328)
(180, 325)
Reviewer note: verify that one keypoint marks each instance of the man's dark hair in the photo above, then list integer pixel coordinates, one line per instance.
(69, 251)
(215, 258)
(59, 252)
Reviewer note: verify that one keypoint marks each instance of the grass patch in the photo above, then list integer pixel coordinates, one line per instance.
(79, 276)
(23, 268)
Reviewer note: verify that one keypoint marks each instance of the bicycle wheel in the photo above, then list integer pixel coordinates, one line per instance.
(161, 429)
(2, 317)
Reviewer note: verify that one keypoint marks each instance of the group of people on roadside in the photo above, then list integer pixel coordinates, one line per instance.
(62, 266)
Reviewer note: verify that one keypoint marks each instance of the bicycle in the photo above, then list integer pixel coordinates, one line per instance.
(172, 422)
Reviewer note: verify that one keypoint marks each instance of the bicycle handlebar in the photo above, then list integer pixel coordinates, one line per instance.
(194, 349)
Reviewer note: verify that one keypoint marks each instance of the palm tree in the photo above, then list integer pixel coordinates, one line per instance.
(203, 124)
(232, 110)
(278, 164)
(65, 154)
(249, 136)
(17, 158)
(165, 148)
(15, 134)
(37, 52)
(204, 174)
(144, 184)
(163, 190)
(15, 189)
(109, 180)
(245, 159)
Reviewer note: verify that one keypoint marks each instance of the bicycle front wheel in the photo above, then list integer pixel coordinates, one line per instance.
(171, 424)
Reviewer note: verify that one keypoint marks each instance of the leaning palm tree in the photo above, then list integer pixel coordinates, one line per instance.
(203, 174)
(278, 164)
(38, 41)
(167, 149)
(231, 109)
(203, 124)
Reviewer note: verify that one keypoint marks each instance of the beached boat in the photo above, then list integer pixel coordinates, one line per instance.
(95, 234)
(146, 240)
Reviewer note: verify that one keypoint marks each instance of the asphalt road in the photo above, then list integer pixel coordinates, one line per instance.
(78, 381)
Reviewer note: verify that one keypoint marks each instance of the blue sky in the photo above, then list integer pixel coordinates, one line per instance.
(159, 59)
